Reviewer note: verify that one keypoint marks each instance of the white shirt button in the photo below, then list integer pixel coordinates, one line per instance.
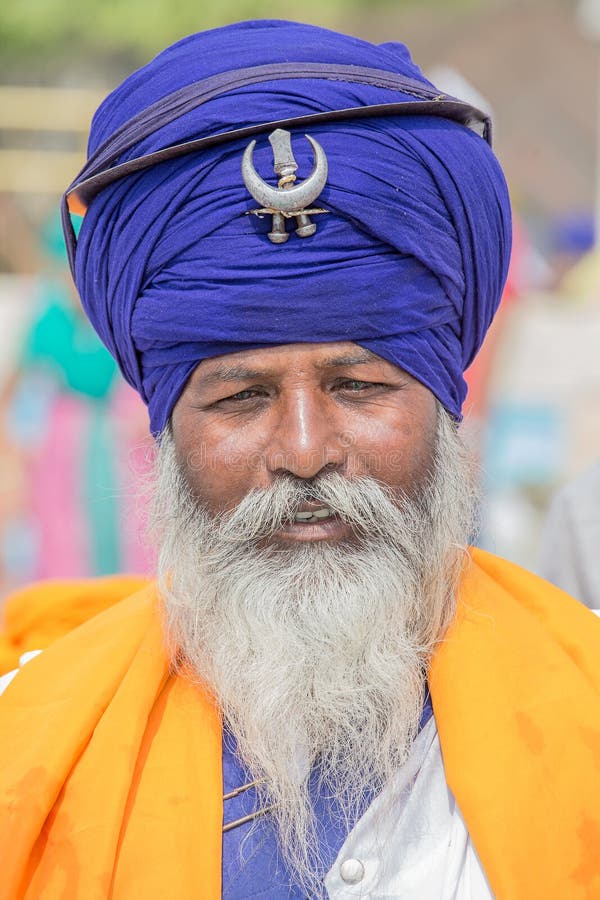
(352, 871)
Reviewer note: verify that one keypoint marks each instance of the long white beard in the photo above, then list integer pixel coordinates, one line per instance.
(317, 654)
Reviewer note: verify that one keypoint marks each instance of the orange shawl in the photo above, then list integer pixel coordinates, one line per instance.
(37, 615)
(110, 766)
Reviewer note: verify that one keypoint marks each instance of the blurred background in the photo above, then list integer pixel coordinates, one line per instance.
(73, 444)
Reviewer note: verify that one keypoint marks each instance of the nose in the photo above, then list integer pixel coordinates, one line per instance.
(305, 439)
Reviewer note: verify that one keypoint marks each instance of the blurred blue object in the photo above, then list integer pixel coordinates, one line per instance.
(573, 233)
(525, 444)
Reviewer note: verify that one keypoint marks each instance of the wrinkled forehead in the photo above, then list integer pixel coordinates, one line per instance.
(309, 359)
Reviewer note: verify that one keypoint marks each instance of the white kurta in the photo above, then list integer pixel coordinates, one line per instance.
(412, 842)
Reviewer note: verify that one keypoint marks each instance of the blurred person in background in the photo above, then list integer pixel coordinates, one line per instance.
(74, 440)
(74, 423)
(326, 692)
(570, 543)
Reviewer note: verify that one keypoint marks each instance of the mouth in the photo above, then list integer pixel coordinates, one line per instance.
(318, 514)
(314, 522)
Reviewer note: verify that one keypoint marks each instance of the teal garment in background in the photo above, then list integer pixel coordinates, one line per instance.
(62, 342)
(100, 494)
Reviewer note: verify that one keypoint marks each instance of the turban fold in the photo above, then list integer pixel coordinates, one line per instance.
(409, 261)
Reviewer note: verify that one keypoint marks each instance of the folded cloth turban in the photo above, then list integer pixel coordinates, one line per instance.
(409, 261)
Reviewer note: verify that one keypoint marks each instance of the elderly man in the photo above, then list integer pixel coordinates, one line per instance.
(326, 694)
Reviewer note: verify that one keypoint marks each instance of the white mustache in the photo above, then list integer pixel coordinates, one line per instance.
(369, 507)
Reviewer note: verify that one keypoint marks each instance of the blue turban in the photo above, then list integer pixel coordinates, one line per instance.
(409, 262)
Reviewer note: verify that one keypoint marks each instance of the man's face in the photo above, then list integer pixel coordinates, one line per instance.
(246, 419)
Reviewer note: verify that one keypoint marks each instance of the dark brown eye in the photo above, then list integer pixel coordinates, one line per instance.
(355, 385)
(248, 394)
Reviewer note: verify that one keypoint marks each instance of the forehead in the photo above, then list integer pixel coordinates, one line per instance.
(289, 359)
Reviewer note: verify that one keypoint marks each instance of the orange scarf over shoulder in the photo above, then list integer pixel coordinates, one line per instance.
(35, 616)
(110, 766)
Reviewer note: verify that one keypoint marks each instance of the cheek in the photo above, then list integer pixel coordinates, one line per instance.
(221, 466)
(409, 467)
(399, 450)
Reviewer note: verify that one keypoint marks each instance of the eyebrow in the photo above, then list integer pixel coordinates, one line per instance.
(362, 358)
(228, 373)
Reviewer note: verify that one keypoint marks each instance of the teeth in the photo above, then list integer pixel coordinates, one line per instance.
(313, 515)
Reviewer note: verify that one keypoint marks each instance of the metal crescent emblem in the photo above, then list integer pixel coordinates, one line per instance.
(288, 200)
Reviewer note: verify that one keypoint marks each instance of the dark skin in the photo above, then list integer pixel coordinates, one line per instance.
(248, 418)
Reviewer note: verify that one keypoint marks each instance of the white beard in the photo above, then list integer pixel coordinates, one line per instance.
(316, 654)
